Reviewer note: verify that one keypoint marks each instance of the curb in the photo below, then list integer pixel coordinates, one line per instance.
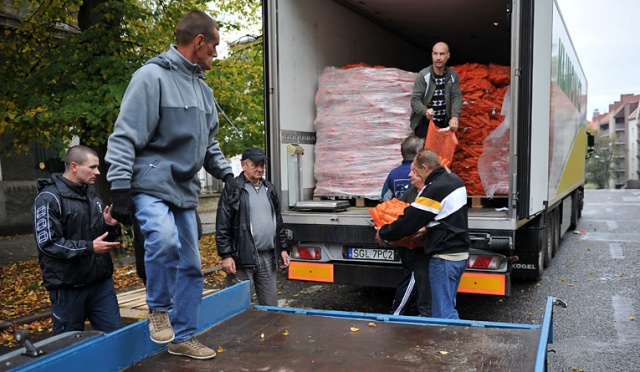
(24, 319)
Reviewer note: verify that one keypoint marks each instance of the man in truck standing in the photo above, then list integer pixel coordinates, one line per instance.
(436, 94)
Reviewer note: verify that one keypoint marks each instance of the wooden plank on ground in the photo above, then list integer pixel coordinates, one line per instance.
(133, 304)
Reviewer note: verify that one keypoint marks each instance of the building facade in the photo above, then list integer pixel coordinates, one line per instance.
(620, 125)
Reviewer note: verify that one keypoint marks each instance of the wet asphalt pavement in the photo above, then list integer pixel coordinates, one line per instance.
(596, 273)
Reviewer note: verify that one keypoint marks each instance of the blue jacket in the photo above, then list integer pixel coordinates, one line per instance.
(165, 132)
(398, 181)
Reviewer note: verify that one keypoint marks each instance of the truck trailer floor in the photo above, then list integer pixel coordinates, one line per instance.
(258, 340)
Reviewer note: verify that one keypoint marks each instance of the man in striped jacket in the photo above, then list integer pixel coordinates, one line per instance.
(441, 206)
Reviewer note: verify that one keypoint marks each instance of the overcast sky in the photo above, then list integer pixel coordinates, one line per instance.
(606, 38)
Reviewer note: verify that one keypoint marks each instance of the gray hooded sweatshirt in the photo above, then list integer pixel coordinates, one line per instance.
(165, 132)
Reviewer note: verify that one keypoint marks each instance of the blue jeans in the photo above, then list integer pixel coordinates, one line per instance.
(172, 262)
(445, 277)
(70, 307)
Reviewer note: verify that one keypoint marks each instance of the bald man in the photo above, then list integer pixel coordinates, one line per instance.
(436, 94)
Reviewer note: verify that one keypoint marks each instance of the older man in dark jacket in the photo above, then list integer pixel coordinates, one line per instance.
(249, 230)
(74, 234)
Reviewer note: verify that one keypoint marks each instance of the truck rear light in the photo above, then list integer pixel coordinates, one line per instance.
(484, 262)
(306, 253)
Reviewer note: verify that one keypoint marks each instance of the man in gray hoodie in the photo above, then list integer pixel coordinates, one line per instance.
(163, 136)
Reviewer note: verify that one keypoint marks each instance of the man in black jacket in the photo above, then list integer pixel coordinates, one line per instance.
(249, 230)
(441, 206)
(74, 234)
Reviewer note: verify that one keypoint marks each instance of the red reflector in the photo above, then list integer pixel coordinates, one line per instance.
(481, 262)
(309, 253)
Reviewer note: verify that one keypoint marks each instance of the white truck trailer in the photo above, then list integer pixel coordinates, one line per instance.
(513, 236)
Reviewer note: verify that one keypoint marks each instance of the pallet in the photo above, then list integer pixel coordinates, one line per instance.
(481, 201)
(354, 201)
(133, 304)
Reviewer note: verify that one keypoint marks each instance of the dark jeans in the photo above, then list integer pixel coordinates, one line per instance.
(413, 294)
(423, 283)
(70, 307)
(405, 301)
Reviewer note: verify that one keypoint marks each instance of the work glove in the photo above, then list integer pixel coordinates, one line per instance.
(233, 188)
(121, 206)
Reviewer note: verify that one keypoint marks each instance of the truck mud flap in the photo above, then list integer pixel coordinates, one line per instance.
(530, 248)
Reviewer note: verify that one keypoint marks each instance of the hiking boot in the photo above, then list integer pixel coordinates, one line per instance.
(160, 329)
(191, 348)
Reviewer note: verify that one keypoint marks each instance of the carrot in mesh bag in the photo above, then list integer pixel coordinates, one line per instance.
(442, 141)
(389, 211)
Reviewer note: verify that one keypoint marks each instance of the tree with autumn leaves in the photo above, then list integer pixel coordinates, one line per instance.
(65, 68)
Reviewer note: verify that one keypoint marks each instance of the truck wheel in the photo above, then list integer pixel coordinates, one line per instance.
(580, 193)
(574, 211)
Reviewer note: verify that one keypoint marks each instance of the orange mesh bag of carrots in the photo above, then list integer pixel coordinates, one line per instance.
(443, 141)
(389, 211)
(483, 91)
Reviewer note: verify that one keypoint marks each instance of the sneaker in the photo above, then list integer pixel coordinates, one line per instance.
(191, 348)
(160, 329)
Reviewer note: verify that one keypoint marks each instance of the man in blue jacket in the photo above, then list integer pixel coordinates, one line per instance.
(250, 233)
(163, 136)
(398, 181)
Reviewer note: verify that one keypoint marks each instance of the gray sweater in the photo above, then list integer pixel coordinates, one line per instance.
(165, 132)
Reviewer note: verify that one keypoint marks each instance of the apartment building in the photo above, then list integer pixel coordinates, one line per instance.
(620, 125)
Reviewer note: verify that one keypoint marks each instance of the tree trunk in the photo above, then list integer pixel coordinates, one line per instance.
(87, 17)
(102, 185)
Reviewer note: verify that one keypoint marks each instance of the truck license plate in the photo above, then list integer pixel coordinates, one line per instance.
(372, 254)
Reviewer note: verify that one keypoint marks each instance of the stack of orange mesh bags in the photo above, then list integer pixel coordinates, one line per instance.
(362, 117)
(483, 91)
